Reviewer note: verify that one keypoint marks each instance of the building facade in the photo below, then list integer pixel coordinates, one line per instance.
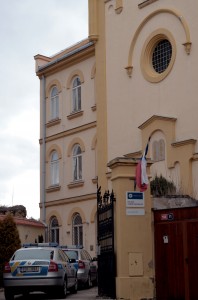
(68, 143)
(132, 81)
(30, 230)
(146, 62)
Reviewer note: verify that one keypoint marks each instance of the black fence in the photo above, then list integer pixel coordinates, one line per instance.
(106, 255)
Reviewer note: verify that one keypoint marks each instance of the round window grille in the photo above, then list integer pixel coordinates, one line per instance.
(158, 55)
(161, 56)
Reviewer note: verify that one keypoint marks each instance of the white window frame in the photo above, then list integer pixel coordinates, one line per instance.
(158, 150)
(54, 102)
(77, 229)
(77, 163)
(76, 95)
(54, 168)
(54, 230)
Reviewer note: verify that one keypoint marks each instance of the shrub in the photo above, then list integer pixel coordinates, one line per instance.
(160, 186)
(9, 241)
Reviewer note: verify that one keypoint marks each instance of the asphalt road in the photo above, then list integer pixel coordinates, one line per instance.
(84, 294)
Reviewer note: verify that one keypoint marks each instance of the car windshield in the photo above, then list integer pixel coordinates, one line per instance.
(72, 254)
(33, 254)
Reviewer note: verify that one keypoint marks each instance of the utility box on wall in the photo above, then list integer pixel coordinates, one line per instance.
(135, 264)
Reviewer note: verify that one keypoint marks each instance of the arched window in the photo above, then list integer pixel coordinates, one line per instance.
(155, 150)
(77, 230)
(161, 150)
(54, 230)
(158, 148)
(76, 95)
(54, 103)
(77, 162)
(54, 168)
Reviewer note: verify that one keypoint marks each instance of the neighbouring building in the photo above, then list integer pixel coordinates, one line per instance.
(68, 145)
(132, 81)
(30, 230)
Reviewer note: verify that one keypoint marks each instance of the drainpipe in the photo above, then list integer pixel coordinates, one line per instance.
(43, 156)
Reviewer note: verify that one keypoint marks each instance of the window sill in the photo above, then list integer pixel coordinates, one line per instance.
(93, 107)
(75, 115)
(53, 122)
(95, 180)
(75, 184)
(53, 188)
(145, 3)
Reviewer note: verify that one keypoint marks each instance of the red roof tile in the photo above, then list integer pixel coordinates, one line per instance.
(25, 222)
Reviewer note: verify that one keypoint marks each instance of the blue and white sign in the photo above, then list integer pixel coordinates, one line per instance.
(134, 199)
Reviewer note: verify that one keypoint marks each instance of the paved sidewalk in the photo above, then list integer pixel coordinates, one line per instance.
(84, 294)
(87, 294)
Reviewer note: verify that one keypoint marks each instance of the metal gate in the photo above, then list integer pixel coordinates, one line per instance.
(106, 256)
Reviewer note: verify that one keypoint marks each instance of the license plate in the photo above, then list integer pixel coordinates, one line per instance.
(29, 269)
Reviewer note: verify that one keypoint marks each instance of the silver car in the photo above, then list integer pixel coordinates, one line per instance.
(85, 265)
(44, 269)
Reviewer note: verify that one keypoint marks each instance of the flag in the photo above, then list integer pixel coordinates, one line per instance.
(141, 175)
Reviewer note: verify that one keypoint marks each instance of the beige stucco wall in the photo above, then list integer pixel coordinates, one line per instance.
(171, 97)
(30, 234)
(133, 100)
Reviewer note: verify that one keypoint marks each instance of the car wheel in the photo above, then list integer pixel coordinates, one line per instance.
(8, 294)
(74, 288)
(62, 291)
(95, 282)
(89, 282)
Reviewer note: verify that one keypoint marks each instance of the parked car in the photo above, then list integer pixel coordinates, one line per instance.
(85, 265)
(39, 267)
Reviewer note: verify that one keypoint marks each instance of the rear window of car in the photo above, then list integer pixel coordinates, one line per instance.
(33, 254)
(72, 254)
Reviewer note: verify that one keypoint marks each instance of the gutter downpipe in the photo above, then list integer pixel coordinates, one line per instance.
(43, 178)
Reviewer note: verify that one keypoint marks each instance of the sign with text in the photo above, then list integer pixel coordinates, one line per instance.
(134, 199)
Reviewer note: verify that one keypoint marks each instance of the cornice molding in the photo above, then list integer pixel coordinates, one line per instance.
(195, 156)
(69, 200)
(156, 117)
(65, 61)
(69, 132)
(183, 143)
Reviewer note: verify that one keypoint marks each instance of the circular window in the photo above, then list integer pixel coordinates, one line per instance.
(158, 55)
(162, 56)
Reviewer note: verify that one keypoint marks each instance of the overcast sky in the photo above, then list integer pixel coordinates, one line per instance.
(27, 28)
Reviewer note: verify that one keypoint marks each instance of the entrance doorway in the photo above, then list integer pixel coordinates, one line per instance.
(176, 253)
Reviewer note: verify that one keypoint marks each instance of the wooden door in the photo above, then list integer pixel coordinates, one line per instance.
(192, 259)
(176, 254)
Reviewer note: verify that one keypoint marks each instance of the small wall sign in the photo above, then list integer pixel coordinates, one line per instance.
(167, 217)
(134, 199)
(135, 211)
